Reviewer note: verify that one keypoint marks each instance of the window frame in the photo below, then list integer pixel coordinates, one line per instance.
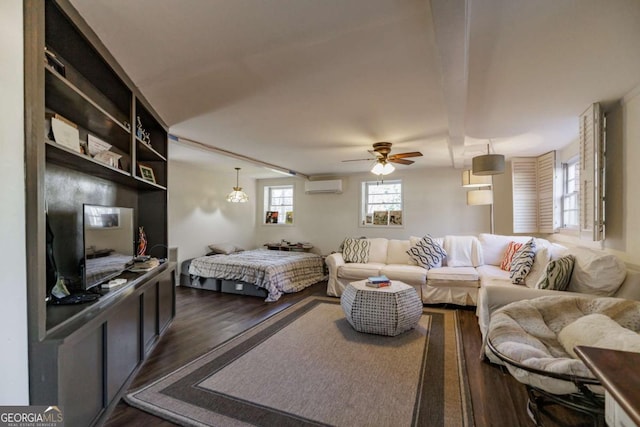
(268, 206)
(573, 162)
(364, 204)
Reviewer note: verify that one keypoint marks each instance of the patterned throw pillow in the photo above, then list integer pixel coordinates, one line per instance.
(427, 253)
(558, 274)
(508, 256)
(522, 262)
(356, 250)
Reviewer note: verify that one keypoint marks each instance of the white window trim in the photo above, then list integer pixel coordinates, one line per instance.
(573, 229)
(267, 202)
(363, 204)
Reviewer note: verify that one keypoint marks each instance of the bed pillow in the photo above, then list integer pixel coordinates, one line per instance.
(356, 250)
(427, 253)
(522, 262)
(223, 248)
(557, 274)
(512, 248)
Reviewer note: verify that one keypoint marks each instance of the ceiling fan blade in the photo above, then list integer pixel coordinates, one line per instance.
(401, 161)
(403, 155)
(359, 160)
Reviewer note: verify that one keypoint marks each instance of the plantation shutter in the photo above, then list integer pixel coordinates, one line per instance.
(523, 181)
(591, 174)
(533, 184)
(546, 197)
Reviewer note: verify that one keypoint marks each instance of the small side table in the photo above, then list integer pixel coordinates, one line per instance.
(390, 310)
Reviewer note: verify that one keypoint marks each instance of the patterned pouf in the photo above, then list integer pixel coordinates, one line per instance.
(384, 311)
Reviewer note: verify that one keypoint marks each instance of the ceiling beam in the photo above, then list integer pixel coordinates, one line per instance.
(451, 26)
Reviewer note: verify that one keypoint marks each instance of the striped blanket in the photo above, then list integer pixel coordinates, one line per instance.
(277, 271)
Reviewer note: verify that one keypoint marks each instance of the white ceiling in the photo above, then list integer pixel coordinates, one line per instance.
(305, 84)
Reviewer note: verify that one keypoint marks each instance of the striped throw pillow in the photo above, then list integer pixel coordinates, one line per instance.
(427, 253)
(356, 250)
(508, 256)
(522, 262)
(557, 274)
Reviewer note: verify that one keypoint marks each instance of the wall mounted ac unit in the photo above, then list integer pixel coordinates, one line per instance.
(329, 186)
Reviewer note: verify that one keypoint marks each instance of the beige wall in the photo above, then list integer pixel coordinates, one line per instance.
(199, 215)
(434, 203)
(14, 387)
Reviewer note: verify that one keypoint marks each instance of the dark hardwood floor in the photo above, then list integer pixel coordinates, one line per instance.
(204, 319)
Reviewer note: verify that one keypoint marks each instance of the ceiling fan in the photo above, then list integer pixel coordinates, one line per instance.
(382, 166)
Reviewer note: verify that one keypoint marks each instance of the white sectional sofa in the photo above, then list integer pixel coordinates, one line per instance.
(471, 273)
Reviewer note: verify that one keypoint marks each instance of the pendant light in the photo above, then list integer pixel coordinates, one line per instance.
(237, 195)
(488, 164)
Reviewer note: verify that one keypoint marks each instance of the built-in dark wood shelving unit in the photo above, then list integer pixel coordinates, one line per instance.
(81, 357)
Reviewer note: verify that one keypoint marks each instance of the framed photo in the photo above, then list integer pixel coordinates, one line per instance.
(395, 217)
(271, 217)
(146, 173)
(289, 217)
(380, 217)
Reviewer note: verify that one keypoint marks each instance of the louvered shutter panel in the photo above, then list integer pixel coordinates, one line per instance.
(591, 174)
(525, 205)
(546, 197)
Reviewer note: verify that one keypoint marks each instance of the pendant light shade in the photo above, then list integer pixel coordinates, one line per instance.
(488, 164)
(479, 197)
(237, 195)
(471, 180)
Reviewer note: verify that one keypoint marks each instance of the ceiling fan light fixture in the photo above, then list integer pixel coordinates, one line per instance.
(237, 195)
(382, 168)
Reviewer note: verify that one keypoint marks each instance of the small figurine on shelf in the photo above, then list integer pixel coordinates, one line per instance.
(142, 242)
(141, 133)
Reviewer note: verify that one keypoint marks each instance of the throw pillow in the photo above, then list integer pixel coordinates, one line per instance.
(522, 262)
(356, 250)
(558, 274)
(512, 248)
(427, 253)
(223, 248)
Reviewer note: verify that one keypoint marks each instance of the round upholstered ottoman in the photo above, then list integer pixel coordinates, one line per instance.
(384, 311)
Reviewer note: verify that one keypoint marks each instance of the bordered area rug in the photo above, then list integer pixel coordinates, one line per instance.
(307, 366)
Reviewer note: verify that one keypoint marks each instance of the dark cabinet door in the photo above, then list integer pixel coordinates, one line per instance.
(166, 299)
(149, 317)
(123, 344)
(81, 379)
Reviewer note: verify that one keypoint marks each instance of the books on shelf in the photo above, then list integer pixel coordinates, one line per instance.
(378, 281)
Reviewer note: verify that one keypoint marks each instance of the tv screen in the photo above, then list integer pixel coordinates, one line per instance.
(109, 242)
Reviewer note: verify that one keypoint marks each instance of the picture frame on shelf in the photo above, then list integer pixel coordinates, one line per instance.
(380, 217)
(146, 173)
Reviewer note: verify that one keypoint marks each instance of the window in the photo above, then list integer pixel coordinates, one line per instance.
(278, 204)
(571, 194)
(382, 203)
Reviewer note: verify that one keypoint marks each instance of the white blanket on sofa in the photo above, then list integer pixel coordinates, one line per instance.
(463, 251)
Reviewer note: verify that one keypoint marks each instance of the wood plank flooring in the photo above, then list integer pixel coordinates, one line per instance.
(204, 319)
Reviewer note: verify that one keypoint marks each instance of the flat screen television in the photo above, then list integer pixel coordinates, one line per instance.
(109, 243)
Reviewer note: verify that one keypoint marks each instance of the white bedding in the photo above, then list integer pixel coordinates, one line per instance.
(276, 271)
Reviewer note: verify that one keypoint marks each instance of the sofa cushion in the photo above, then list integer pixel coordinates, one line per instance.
(410, 274)
(427, 253)
(598, 330)
(596, 272)
(557, 274)
(453, 273)
(495, 245)
(463, 251)
(359, 270)
(378, 250)
(397, 252)
(512, 248)
(522, 262)
(356, 250)
(539, 266)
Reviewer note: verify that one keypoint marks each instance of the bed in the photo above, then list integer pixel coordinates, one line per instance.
(277, 272)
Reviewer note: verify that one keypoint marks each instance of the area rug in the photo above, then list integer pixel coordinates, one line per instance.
(307, 366)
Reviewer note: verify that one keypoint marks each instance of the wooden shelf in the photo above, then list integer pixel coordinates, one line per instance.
(147, 153)
(68, 158)
(67, 100)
